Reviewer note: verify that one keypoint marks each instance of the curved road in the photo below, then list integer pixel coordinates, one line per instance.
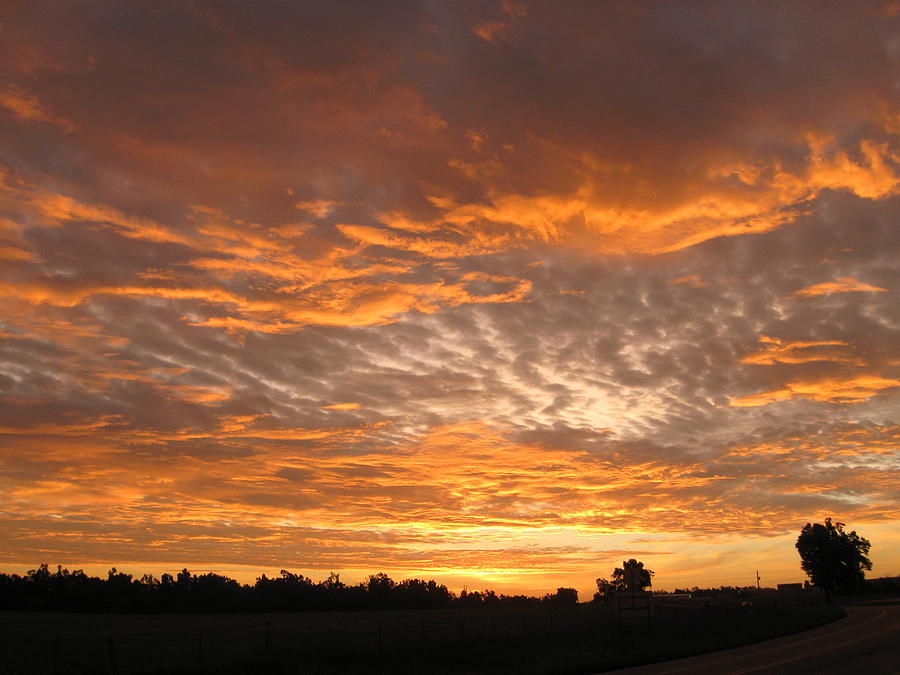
(866, 641)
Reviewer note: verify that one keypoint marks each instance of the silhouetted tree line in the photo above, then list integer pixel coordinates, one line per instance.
(43, 590)
(882, 585)
(732, 591)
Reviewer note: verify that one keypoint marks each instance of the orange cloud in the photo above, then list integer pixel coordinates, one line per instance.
(873, 178)
(479, 243)
(692, 280)
(51, 209)
(839, 440)
(837, 390)
(454, 486)
(429, 505)
(61, 429)
(351, 305)
(204, 395)
(12, 253)
(767, 197)
(781, 351)
(252, 250)
(841, 285)
(489, 31)
(341, 406)
(13, 245)
(29, 108)
(318, 207)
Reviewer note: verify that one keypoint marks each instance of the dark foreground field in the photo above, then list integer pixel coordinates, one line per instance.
(540, 640)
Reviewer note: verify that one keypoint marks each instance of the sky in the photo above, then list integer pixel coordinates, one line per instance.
(496, 293)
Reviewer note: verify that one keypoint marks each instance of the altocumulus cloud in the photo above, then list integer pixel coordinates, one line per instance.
(482, 289)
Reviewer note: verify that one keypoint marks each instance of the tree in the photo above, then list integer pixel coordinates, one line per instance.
(831, 557)
(618, 582)
(566, 597)
(642, 576)
(605, 590)
(380, 589)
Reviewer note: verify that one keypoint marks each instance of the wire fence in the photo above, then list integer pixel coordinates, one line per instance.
(288, 641)
(360, 641)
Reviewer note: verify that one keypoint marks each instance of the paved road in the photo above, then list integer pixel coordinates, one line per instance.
(866, 641)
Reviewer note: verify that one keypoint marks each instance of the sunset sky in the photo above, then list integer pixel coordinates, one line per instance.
(495, 293)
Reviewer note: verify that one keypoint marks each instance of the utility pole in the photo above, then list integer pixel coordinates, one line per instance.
(757, 579)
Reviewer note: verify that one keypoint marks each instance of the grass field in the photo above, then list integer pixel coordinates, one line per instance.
(539, 640)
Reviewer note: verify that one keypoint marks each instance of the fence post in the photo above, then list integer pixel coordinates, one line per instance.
(113, 665)
(423, 632)
(57, 655)
(268, 624)
(199, 651)
(379, 639)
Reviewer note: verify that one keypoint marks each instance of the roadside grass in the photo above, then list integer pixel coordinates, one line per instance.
(572, 640)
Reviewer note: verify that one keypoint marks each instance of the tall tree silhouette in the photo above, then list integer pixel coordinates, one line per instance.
(831, 557)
